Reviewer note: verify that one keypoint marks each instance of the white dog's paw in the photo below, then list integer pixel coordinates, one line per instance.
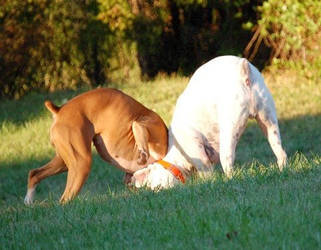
(229, 172)
(205, 175)
(282, 161)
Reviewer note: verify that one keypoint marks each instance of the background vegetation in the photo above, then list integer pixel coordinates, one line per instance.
(50, 45)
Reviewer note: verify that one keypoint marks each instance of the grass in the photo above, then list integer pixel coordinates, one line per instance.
(260, 208)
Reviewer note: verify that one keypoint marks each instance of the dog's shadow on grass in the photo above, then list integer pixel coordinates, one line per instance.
(300, 134)
(32, 105)
(103, 179)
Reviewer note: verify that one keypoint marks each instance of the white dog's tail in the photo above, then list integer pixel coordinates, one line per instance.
(245, 72)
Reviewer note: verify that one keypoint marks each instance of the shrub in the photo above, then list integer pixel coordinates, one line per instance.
(43, 46)
(291, 28)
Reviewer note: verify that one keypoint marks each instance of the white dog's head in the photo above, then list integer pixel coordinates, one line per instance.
(155, 177)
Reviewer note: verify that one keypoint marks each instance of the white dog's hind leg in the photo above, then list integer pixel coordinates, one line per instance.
(265, 115)
(231, 128)
(269, 125)
(227, 149)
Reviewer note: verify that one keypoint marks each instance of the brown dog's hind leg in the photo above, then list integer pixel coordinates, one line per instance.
(74, 146)
(77, 175)
(55, 166)
(141, 136)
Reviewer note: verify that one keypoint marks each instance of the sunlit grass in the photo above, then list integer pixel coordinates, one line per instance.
(259, 208)
(295, 96)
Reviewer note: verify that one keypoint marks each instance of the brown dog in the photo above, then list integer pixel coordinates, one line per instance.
(124, 132)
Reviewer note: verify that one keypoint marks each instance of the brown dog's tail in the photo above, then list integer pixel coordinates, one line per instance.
(52, 107)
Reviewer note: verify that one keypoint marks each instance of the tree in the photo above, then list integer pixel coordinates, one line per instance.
(291, 28)
(43, 46)
(177, 35)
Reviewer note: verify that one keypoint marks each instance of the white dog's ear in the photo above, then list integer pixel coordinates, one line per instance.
(245, 72)
(140, 176)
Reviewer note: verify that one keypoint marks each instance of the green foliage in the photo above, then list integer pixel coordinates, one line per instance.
(291, 28)
(116, 13)
(177, 36)
(139, 25)
(40, 45)
(52, 45)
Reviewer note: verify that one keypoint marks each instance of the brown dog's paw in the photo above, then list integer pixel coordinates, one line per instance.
(143, 157)
(127, 179)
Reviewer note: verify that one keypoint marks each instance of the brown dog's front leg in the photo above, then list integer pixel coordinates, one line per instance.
(141, 136)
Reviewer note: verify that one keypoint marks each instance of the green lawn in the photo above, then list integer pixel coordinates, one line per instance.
(260, 208)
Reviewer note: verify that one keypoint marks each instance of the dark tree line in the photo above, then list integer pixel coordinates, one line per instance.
(49, 44)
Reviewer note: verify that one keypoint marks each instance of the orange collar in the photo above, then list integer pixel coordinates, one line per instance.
(173, 169)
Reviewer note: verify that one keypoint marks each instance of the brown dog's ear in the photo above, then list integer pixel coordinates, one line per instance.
(143, 157)
(140, 176)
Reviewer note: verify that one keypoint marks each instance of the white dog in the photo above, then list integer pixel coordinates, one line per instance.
(209, 118)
